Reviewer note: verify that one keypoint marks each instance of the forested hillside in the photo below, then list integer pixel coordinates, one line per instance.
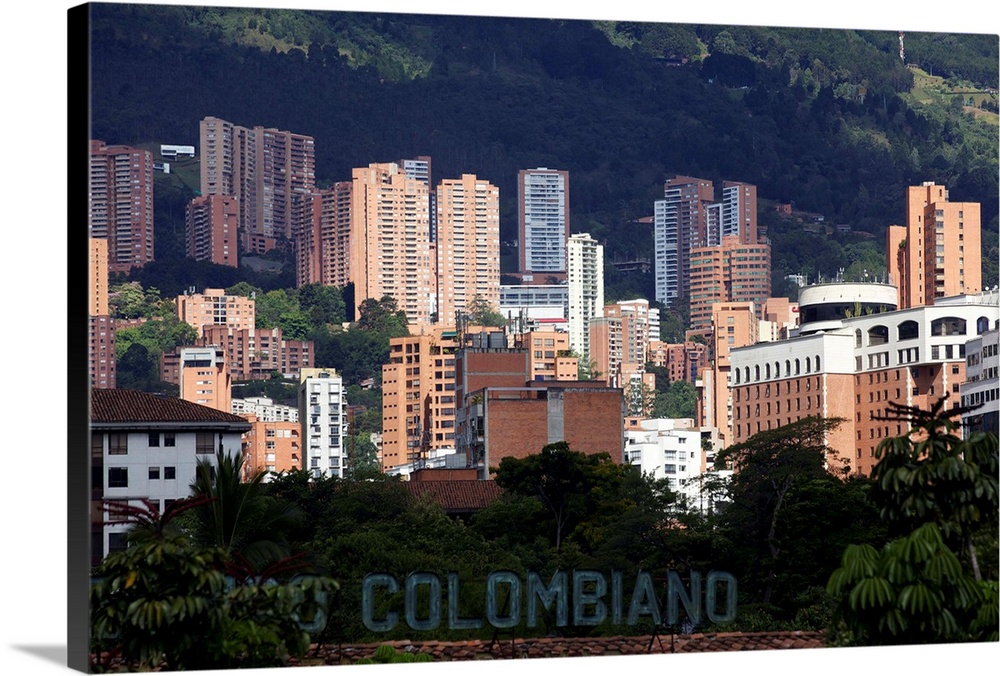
(829, 120)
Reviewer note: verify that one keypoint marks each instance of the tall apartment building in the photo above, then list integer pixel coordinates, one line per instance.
(620, 340)
(210, 225)
(734, 215)
(732, 272)
(323, 417)
(265, 169)
(120, 203)
(734, 325)
(938, 253)
(214, 307)
(854, 370)
(321, 236)
(543, 221)
(418, 396)
(468, 245)
(390, 248)
(689, 216)
(585, 284)
(419, 168)
(679, 223)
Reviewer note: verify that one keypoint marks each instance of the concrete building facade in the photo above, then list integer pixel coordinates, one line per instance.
(543, 221)
(323, 421)
(982, 384)
(585, 289)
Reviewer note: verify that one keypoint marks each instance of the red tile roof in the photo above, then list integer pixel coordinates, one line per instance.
(574, 647)
(458, 495)
(130, 406)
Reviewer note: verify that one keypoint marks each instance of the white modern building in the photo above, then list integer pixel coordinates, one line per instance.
(543, 219)
(671, 449)
(585, 286)
(147, 447)
(323, 416)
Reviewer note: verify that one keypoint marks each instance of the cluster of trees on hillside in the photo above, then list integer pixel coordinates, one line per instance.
(907, 556)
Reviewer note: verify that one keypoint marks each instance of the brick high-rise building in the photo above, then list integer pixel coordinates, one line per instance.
(468, 245)
(211, 223)
(120, 203)
(322, 236)
(543, 221)
(938, 252)
(418, 396)
(98, 278)
(266, 169)
(732, 272)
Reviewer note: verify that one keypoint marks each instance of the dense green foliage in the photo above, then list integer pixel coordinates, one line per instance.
(937, 492)
(167, 602)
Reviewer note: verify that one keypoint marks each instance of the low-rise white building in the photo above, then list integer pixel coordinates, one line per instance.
(265, 409)
(145, 446)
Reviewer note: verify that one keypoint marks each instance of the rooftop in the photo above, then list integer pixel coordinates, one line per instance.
(131, 406)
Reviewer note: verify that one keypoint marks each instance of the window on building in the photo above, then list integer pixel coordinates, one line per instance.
(204, 443)
(118, 477)
(154, 473)
(169, 473)
(169, 439)
(116, 542)
(154, 439)
(117, 443)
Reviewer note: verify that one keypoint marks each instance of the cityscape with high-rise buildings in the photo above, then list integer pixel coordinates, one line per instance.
(445, 329)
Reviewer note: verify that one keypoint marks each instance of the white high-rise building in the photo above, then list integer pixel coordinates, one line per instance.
(543, 219)
(585, 282)
(323, 416)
